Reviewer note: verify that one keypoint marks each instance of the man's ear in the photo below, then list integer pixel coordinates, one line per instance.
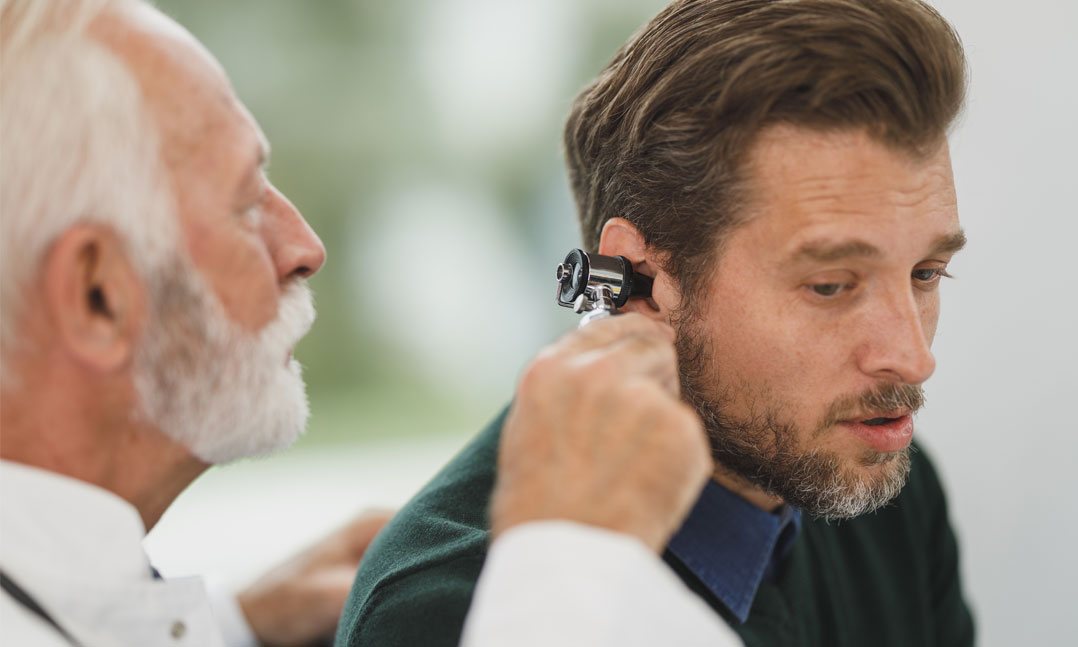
(94, 297)
(621, 238)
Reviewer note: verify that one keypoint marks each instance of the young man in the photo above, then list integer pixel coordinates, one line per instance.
(780, 168)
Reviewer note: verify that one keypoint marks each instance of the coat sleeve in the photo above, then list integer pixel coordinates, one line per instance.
(561, 583)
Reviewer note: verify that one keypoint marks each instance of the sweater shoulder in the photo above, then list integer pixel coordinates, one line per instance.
(417, 578)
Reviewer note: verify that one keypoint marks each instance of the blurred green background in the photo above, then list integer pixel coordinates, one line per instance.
(422, 141)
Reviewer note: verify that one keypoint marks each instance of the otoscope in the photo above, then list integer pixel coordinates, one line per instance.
(597, 285)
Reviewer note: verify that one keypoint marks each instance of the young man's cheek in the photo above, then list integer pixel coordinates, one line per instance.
(930, 315)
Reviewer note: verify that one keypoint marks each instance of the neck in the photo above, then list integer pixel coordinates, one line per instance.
(133, 460)
(752, 493)
(156, 484)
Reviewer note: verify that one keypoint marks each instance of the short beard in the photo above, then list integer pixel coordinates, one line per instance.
(762, 450)
(222, 392)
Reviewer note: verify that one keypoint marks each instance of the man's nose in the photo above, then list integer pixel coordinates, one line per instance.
(899, 346)
(296, 250)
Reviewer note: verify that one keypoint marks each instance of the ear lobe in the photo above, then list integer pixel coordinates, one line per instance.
(94, 297)
(621, 238)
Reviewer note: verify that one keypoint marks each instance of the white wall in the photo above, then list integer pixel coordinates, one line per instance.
(1001, 417)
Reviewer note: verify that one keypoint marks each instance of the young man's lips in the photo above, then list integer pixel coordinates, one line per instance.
(891, 436)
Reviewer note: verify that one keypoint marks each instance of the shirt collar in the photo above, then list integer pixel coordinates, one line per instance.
(732, 545)
(76, 550)
(86, 529)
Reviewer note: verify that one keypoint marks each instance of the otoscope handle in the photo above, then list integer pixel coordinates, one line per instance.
(599, 308)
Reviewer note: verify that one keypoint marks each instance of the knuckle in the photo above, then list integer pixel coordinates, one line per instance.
(666, 351)
(543, 369)
(624, 402)
(690, 419)
(653, 403)
(602, 369)
(684, 425)
(632, 323)
(694, 428)
(656, 327)
(644, 323)
(641, 392)
(645, 341)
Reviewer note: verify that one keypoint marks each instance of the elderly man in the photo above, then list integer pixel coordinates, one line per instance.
(780, 168)
(153, 288)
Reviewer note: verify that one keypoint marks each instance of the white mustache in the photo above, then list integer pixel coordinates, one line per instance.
(295, 316)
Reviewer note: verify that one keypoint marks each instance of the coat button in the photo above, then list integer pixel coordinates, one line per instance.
(178, 629)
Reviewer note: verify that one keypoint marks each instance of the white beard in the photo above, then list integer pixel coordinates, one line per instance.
(220, 391)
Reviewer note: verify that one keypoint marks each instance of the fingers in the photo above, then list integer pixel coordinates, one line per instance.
(603, 332)
(598, 434)
(646, 355)
(299, 600)
(606, 351)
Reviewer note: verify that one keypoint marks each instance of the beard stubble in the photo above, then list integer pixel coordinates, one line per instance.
(763, 450)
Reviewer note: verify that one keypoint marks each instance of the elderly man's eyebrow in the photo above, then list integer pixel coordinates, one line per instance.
(826, 252)
(253, 169)
(263, 151)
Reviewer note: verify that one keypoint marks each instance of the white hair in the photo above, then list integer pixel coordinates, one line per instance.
(76, 145)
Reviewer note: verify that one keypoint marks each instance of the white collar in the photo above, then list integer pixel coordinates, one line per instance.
(84, 529)
(77, 550)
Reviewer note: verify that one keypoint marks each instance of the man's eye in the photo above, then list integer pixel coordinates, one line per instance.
(828, 289)
(928, 275)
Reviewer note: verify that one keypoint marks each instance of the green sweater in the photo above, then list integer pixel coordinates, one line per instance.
(889, 578)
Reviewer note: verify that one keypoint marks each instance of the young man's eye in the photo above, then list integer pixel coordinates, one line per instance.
(828, 289)
(929, 274)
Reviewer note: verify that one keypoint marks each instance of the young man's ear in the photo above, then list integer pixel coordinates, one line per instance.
(621, 238)
(94, 297)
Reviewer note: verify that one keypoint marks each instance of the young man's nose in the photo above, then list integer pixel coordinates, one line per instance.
(899, 346)
(296, 250)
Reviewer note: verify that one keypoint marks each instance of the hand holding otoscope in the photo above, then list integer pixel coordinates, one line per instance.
(599, 410)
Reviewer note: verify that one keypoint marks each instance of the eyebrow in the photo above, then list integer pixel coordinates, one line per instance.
(259, 161)
(828, 252)
(263, 151)
(951, 243)
(824, 252)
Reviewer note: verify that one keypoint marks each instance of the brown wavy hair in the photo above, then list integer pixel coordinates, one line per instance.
(660, 136)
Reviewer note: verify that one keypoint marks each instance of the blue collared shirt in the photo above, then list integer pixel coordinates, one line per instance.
(732, 545)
